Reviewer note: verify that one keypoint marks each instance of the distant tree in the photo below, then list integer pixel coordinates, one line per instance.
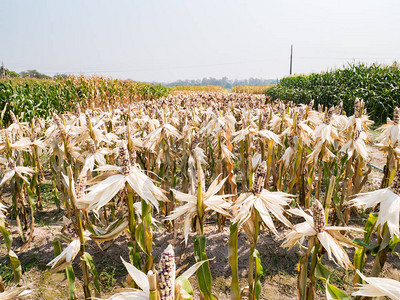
(33, 74)
(9, 73)
(224, 82)
(61, 76)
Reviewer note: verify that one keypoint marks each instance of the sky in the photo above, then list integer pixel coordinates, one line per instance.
(167, 40)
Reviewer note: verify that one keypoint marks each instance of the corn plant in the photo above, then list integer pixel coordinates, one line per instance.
(251, 162)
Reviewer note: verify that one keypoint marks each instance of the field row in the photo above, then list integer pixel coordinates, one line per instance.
(293, 171)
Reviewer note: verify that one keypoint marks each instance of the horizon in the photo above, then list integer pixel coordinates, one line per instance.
(216, 78)
(166, 41)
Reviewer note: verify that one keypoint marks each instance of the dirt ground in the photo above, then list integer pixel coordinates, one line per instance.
(280, 265)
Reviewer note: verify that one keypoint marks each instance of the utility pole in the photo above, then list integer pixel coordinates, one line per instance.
(3, 71)
(291, 59)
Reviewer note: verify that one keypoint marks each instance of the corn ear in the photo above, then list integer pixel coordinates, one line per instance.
(166, 274)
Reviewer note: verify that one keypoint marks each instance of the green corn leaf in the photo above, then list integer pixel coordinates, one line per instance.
(233, 260)
(310, 177)
(69, 271)
(393, 243)
(57, 246)
(360, 242)
(147, 236)
(204, 278)
(187, 290)
(385, 239)
(359, 254)
(89, 262)
(322, 272)
(96, 231)
(16, 266)
(139, 236)
(6, 235)
(71, 281)
(134, 254)
(333, 293)
(259, 273)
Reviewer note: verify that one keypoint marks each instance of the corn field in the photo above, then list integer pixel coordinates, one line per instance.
(376, 85)
(30, 98)
(188, 162)
(251, 89)
(197, 88)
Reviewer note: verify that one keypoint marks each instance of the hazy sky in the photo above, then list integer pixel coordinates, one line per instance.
(166, 40)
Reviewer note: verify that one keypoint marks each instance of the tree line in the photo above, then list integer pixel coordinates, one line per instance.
(4, 72)
(224, 82)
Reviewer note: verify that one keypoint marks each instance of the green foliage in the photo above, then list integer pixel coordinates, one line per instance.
(9, 73)
(143, 234)
(89, 262)
(378, 86)
(33, 74)
(69, 270)
(187, 289)
(223, 82)
(15, 263)
(259, 273)
(29, 98)
(6, 272)
(333, 293)
(203, 273)
(6, 235)
(16, 266)
(233, 260)
(359, 254)
(71, 282)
